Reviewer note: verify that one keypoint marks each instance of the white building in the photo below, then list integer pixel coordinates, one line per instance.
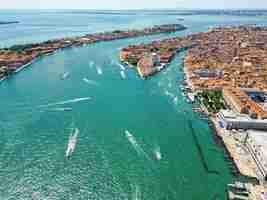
(230, 120)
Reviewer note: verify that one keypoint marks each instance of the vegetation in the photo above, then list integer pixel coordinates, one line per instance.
(172, 48)
(22, 47)
(117, 31)
(213, 100)
(132, 60)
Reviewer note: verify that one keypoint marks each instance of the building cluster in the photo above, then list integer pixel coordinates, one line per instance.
(164, 50)
(148, 65)
(238, 52)
(231, 59)
(13, 58)
(234, 60)
(241, 102)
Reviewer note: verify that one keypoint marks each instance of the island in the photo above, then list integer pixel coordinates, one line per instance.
(225, 77)
(8, 22)
(17, 57)
(151, 58)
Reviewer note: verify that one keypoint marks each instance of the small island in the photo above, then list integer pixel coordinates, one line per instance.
(17, 57)
(8, 22)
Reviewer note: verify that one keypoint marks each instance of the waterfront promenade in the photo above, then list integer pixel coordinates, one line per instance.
(221, 59)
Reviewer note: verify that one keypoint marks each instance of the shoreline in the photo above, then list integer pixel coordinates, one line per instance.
(212, 64)
(244, 164)
(17, 57)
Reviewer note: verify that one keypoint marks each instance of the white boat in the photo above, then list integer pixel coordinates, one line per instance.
(191, 97)
(64, 109)
(91, 64)
(86, 80)
(65, 75)
(123, 75)
(128, 134)
(99, 70)
(2, 79)
(175, 100)
(90, 82)
(122, 67)
(72, 142)
(158, 155)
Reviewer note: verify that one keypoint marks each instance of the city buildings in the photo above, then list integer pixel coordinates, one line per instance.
(230, 120)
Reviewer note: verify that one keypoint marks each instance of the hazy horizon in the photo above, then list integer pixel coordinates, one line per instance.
(134, 5)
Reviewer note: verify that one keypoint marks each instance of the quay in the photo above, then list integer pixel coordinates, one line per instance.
(226, 69)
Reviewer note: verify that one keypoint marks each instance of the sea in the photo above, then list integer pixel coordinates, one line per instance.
(123, 123)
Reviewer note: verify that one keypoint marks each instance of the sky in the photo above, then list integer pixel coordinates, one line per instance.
(132, 4)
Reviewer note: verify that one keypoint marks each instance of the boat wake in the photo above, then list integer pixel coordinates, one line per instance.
(91, 64)
(66, 102)
(121, 66)
(172, 96)
(175, 100)
(62, 109)
(90, 82)
(136, 195)
(167, 93)
(64, 75)
(99, 71)
(157, 154)
(72, 142)
(135, 145)
(123, 75)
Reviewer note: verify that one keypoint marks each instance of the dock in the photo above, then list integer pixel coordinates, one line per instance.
(243, 161)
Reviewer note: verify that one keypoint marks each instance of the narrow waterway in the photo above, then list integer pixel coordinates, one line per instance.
(106, 163)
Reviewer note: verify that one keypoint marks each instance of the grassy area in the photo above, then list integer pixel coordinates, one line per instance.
(132, 60)
(213, 100)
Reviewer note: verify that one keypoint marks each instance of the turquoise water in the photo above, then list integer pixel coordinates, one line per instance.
(106, 164)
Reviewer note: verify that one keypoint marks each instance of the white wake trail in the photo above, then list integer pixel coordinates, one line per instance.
(136, 146)
(91, 64)
(121, 66)
(90, 82)
(66, 102)
(99, 71)
(123, 75)
(137, 193)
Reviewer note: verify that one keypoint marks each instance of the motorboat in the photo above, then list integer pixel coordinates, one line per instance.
(72, 142)
(123, 75)
(64, 75)
(158, 155)
(128, 134)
